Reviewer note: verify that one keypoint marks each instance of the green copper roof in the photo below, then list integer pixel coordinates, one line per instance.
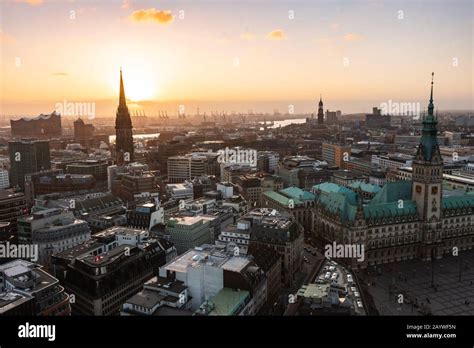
(329, 187)
(283, 200)
(429, 141)
(365, 187)
(392, 192)
(296, 192)
(339, 203)
(390, 209)
(454, 202)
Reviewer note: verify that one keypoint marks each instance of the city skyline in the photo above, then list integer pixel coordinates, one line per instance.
(233, 56)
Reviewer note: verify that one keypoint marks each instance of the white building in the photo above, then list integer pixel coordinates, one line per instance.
(226, 188)
(180, 191)
(206, 269)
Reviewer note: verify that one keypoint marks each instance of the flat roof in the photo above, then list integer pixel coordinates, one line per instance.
(146, 298)
(235, 264)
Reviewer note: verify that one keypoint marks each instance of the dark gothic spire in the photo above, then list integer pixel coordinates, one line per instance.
(122, 101)
(429, 141)
(123, 128)
(431, 105)
(320, 110)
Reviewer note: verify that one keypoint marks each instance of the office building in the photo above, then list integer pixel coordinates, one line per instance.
(105, 271)
(26, 285)
(53, 231)
(27, 156)
(335, 154)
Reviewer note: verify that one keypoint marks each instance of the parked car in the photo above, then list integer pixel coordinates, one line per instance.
(359, 304)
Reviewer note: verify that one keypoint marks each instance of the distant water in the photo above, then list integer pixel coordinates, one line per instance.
(278, 124)
(138, 137)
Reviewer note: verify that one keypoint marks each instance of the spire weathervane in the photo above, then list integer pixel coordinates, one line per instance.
(431, 105)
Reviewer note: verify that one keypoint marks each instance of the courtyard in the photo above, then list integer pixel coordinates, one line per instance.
(414, 287)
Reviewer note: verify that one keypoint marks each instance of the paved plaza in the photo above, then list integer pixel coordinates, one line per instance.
(446, 295)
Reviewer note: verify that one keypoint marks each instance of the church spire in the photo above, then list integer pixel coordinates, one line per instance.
(122, 100)
(431, 104)
(123, 129)
(429, 143)
(320, 110)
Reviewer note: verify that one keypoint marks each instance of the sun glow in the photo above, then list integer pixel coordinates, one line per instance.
(140, 84)
(141, 89)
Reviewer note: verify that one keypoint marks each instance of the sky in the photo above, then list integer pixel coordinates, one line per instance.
(234, 55)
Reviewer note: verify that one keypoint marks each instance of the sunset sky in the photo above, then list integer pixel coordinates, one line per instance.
(234, 55)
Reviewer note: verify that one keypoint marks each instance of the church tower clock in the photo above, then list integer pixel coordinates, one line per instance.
(427, 182)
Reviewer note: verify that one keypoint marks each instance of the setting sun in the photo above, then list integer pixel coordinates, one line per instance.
(141, 84)
(142, 88)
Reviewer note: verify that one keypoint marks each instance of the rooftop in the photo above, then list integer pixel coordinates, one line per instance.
(227, 301)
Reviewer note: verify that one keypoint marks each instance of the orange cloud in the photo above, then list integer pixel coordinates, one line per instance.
(153, 15)
(353, 37)
(276, 34)
(31, 2)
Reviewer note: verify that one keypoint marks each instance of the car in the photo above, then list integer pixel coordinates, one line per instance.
(356, 294)
(334, 276)
(353, 289)
(332, 268)
(359, 304)
(349, 278)
(328, 275)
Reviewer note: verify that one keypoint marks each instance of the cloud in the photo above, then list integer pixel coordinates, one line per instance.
(31, 2)
(5, 38)
(247, 36)
(60, 74)
(353, 37)
(276, 34)
(153, 15)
